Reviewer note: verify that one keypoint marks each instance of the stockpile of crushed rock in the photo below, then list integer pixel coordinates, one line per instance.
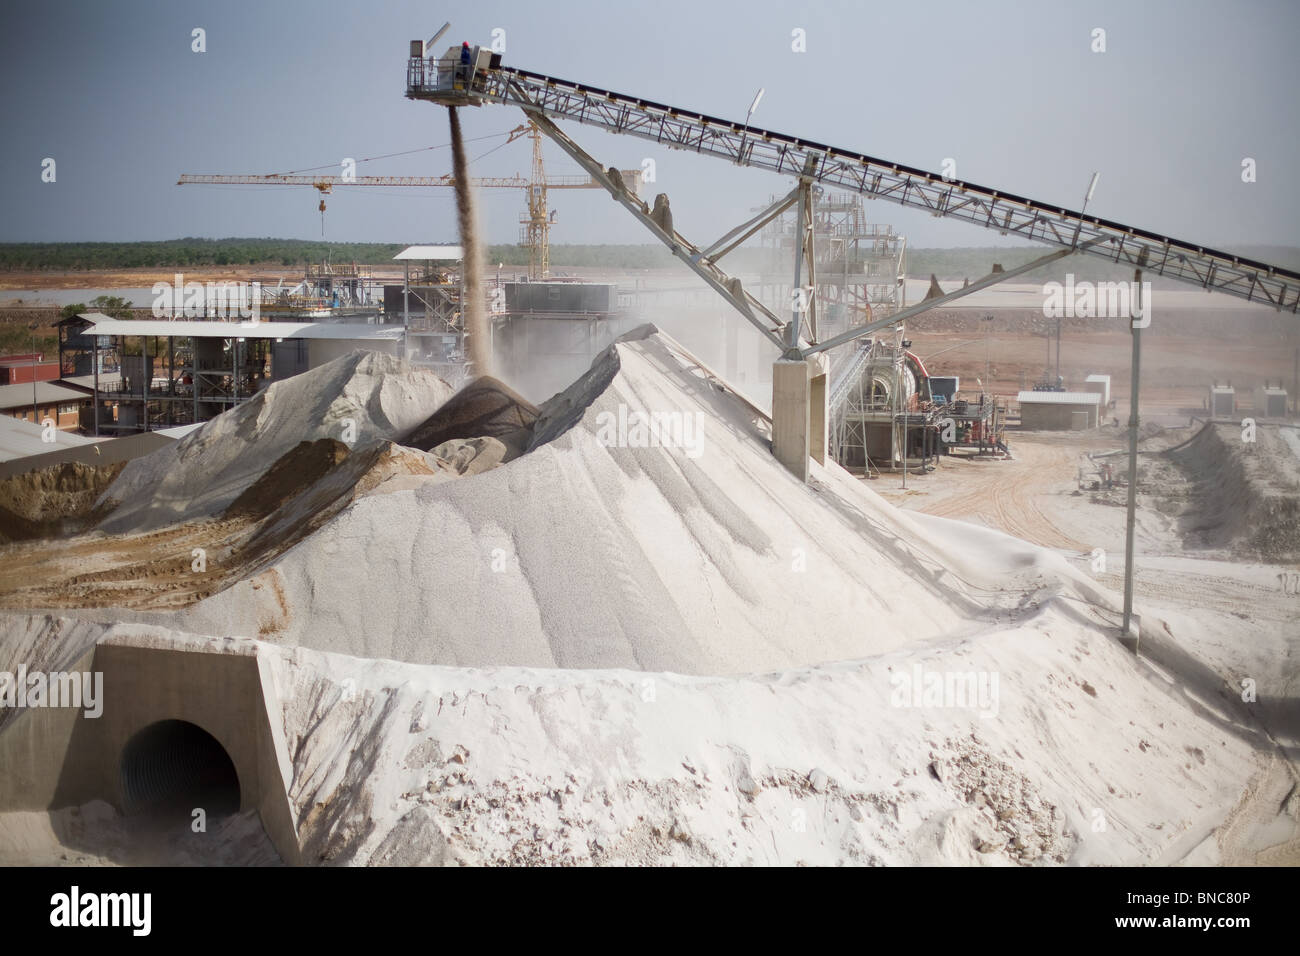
(52, 502)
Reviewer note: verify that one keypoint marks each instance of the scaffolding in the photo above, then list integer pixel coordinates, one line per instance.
(141, 385)
(326, 291)
(859, 265)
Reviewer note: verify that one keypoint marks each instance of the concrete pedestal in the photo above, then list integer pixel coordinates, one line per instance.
(799, 426)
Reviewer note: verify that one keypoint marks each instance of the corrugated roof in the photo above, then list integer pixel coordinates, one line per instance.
(432, 253)
(100, 451)
(88, 381)
(167, 328)
(47, 393)
(1058, 398)
(20, 439)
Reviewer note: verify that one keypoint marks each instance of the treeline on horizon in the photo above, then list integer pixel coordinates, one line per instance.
(289, 253)
(950, 263)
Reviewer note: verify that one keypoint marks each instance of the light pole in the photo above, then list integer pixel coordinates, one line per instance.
(1047, 369)
(1135, 366)
(753, 106)
(750, 115)
(36, 416)
(988, 335)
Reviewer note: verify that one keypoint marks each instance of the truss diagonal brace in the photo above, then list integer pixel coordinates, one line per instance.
(746, 229)
(810, 253)
(726, 286)
(993, 278)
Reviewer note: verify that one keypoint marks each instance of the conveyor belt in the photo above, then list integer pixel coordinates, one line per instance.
(844, 376)
(994, 209)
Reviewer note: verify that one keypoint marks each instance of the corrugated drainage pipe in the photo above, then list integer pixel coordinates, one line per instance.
(173, 767)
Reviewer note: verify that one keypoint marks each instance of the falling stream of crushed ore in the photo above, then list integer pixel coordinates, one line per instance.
(473, 313)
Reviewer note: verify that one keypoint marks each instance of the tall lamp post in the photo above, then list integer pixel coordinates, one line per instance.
(36, 415)
(988, 335)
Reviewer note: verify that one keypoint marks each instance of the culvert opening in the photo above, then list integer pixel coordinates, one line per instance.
(173, 767)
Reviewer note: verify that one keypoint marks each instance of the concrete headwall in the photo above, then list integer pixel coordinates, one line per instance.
(59, 757)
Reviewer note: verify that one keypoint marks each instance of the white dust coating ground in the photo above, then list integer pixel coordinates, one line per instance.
(1088, 759)
(370, 394)
(551, 716)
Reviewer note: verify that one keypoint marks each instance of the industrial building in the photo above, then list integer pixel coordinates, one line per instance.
(185, 371)
(129, 376)
(889, 413)
(1059, 411)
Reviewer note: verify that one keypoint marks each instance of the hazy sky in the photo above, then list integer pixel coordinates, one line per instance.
(1011, 91)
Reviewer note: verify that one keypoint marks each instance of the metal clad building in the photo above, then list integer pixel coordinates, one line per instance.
(1059, 411)
(579, 299)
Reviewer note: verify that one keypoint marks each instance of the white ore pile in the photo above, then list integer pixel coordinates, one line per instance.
(588, 551)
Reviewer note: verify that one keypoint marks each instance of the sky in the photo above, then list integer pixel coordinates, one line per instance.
(1013, 92)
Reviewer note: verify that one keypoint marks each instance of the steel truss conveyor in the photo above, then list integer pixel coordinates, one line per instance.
(913, 188)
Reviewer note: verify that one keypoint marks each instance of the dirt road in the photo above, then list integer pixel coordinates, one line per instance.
(1013, 496)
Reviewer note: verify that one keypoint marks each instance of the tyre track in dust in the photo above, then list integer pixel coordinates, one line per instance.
(1183, 589)
(1005, 498)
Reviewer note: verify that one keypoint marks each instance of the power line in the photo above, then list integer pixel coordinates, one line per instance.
(406, 152)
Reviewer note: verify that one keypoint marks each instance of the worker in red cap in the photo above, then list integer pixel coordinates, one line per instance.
(465, 59)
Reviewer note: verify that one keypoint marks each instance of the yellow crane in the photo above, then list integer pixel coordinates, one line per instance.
(536, 224)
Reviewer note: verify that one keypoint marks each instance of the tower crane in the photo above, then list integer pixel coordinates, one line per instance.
(536, 223)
